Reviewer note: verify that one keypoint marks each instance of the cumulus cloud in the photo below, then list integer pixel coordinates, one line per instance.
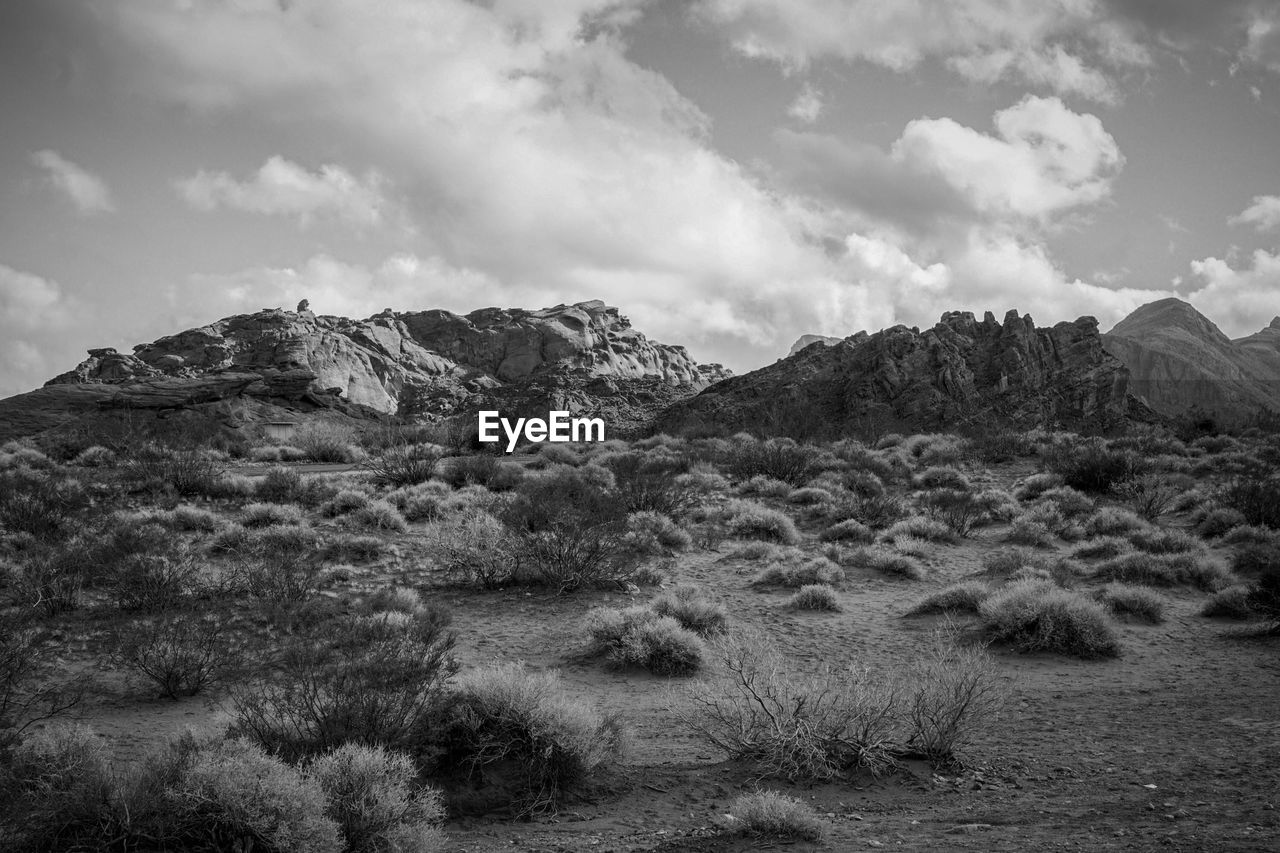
(1263, 214)
(284, 188)
(33, 313)
(1065, 46)
(807, 106)
(1241, 297)
(88, 192)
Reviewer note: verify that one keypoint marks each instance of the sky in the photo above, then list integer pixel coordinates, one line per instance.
(731, 174)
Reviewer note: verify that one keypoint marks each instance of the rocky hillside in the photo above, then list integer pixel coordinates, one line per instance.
(1179, 359)
(583, 357)
(963, 371)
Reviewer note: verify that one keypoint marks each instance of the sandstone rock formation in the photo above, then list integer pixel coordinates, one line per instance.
(578, 357)
(1180, 362)
(962, 372)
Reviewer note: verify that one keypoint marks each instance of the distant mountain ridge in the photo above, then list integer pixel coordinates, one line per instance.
(1178, 359)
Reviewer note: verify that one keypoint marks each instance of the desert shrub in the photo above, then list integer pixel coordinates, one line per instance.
(279, 485)
(817, 726)
(486, 470)
(1219, 521)
(958, 598)
(1230, 602)
(1104, 547)
(1264, 596)
(757, 551)
(997, 445)
(399, 599)
(1027, 531)
(1003, 562)
(95, 456)
(1036, 485)
(1038, 616)
(43, 504)
(962, 511)
(372, 680)
(816, 596)
(1090, 466)
(520, 729)
(642, 638)
(150, 582)
(1150, 495)
(849, 530)
(49, 581)
(920, 527)
(1251, 534)
(182, 654)
(1255, 557)
(1113, 521)
(277, 564)
(474, 549)
(952, 689)
(877, 511)
(776, 458)
(795, 574)
(942, 477)
(1164, 570)
(1140, 602)
(765, 487)
(370, 793)
(1256, 494)
(270, 514)
(27, 695)
(322, 442)
(652, 532)
(692, 609)
(276, 453)
(1158, 541)
(889, 563)
(1067, 501)
(702, 478)
(749, 519)
(649, 482)
(810, 496)
(377, 515)
(186, 472)
(403, 464)
(769, 814)
(355, 548)
(193, 519)
(345, 501)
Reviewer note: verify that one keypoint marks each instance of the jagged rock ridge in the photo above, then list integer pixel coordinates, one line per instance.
(1180, 360)
(962, 371)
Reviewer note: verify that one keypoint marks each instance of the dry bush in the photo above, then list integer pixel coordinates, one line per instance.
(1256, 494)
(151, 582)
(1036, 485)
(953, 690)
(962, 510)
(816, 726)
(816, 596)
(1165, 570)
(270, 514)
(280, 565)
(765, 487)
(1104, 547)
(1231, 602)
(403, 464)
(795, 573)
(920, 527)
(345, 501)
(484, 469)
(1028, 531)
(520, 730)
(355, 548)
(650, 532)
(474, 549)
(941, 477)
(849, 530)
(692, 609)
(1150, 495)
(749, 519)
(640, 637)
(776, 458)
(27, 695)
(377, 515)
(45, 505)
(1068, 502)
(769, 814)
(279, 485)
(1090, 466)
(1140, 602)
(1158, 541)
(371, 793)
(182, 654)
(888, 563)
(958, 598)
(1219, 522)
(186, 472)
(1038, 616)
(373, 680)
(810, 496)
(321, 442)
(1264, 596)
(1113, 521)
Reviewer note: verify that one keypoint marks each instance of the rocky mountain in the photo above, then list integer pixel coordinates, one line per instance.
(809, 340)
(583, 357)
(963, 371)
(1179, 359)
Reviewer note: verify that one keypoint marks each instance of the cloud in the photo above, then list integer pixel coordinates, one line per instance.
(34, 315)
(1263, 214)
(807, 106)
(1263, 44)
(1238, 298)
(1065, 46)
(88, 192)
(283, 188)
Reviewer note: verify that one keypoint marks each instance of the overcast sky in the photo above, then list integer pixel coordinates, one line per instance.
(729, 173)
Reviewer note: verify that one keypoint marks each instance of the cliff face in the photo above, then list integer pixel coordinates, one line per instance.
(961, 372)
(444, 361)
(1179, 359)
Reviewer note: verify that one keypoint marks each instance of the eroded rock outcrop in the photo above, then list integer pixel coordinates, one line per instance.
(963, 371)
(441, 362)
